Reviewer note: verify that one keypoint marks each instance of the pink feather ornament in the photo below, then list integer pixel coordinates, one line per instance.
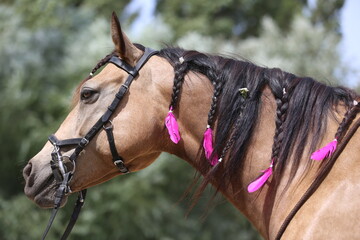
(260, 181)
(172, 126)
(325, 152)
(208, 143)
(208, 146)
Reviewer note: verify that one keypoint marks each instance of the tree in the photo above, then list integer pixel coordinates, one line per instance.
(305, 49)
(327, 13)
(38, 74)
(46, 48)
(227, 19)
(242, 18)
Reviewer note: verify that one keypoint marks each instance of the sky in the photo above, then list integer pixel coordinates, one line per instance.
(350, 45)
(350, 26)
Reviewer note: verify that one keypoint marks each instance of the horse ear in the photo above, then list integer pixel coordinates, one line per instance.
(123, 46)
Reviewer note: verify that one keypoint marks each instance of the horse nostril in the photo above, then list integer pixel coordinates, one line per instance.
(27, 175)
(27, 170)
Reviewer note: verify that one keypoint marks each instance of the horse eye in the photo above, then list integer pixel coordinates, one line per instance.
(86, 94)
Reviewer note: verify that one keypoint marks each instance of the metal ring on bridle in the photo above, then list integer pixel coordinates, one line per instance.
(69, 161)
(105, 125)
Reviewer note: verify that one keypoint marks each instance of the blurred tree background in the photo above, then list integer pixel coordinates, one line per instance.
(48, 47)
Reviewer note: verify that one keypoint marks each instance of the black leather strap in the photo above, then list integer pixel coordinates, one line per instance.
(103, 122)
(67, 142)
(60, 192)
(148, 53)
(118, 161)
(75, 214)
(123, 65)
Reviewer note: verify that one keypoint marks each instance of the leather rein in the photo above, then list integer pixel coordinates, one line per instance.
(63, 167)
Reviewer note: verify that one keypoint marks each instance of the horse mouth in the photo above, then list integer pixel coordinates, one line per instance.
(41, 189)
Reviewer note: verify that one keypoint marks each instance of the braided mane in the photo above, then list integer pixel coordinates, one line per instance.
(303, 106)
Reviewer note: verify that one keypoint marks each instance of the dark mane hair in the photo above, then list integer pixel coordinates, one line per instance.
(303, 106)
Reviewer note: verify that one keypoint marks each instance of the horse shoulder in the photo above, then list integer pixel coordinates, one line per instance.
(334, 209)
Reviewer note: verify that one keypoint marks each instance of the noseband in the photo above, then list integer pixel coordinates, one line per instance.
(63, 167)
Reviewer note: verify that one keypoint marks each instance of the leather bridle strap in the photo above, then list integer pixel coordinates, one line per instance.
(133, 72)
(117, 160)
(80, 143)
(60, 192)
(75, 214)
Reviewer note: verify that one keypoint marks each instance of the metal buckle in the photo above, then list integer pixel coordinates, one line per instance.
(118, 162)
(84, 142)
(121, 165)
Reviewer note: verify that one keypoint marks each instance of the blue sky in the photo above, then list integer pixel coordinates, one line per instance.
(350, 27)
(350, 45)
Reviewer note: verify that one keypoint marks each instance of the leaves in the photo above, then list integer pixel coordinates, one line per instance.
(48, 47)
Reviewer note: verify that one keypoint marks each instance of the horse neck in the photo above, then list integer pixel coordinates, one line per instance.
(266, 210)
(192, 114)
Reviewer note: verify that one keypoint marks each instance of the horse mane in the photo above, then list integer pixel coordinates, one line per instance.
(303, 107)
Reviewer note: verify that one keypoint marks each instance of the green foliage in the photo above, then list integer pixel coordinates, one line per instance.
(102, 8)
(327, 13)
(243, 18)
(305, 50)
(43, 13)
(47, 47)
(22, 59)
(225, 18)
(37, 77)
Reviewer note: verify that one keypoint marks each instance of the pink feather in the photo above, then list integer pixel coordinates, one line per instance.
(325, 152)
(172, 126)
(208, 146)
(260, 181)
(208, 142)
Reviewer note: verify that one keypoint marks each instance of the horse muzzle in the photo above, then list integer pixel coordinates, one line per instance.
(40, 184)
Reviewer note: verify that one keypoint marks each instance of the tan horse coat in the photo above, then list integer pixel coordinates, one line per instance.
(331, 213)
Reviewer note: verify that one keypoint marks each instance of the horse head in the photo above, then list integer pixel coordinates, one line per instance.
(137, 122)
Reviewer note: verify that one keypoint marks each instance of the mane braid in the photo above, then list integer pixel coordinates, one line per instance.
(278, 86)
(101, 63)
(235, 135)
(180, 70)
(347, 120)
(217, 91)
(300, 118)
(330, 148)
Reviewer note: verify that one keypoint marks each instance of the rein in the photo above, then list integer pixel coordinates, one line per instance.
(63, 167)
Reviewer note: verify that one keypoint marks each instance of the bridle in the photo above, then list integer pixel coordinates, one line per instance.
(63, 167)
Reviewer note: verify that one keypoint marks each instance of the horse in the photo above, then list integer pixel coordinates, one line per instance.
(250, 131)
